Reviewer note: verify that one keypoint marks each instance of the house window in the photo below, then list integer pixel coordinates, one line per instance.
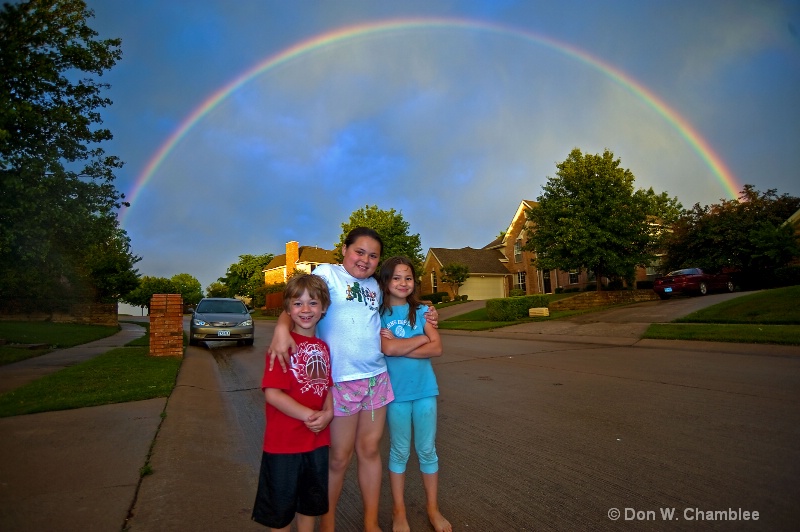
(573, 277)
(521, 284)
(518, 251)
(434, 284)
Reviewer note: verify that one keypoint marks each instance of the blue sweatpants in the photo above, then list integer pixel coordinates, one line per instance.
(400, 416)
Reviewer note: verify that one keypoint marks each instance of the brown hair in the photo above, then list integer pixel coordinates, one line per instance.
(316, 287)
(385, 276)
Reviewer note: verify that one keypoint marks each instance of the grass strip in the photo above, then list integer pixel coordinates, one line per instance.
(721, 332)
(776, 307)
(53, 335)
(121, 375)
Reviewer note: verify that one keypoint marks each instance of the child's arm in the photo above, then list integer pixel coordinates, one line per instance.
(281, 400)
(433, 348)
(394, 347)
(320, 419)
(426, 345)
(282, 343)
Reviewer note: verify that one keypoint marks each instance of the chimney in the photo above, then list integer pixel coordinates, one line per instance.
(292, 256)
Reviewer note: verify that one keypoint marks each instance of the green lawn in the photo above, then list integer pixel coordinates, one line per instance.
(120, 375)
(768, 316)
(52, 335)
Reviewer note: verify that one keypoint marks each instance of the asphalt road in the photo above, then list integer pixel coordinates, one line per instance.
(556, 434)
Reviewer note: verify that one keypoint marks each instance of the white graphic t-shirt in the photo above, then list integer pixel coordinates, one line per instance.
(351, 327)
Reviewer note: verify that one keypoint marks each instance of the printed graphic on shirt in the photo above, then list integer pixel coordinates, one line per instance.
(362, 294)
(398, 327)
(310, 368)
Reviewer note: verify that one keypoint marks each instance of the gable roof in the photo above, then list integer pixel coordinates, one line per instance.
(523, 207)
(479, 261)
(308, 254)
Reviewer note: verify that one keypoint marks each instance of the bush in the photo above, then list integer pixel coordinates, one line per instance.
(434, 298)
(616, 284)
(787, 276)
(516, 292)
(570, 290)
(560, 290)
(513, 308)
(445, 299)
(463, 297)
(644, 285)
(591, 287)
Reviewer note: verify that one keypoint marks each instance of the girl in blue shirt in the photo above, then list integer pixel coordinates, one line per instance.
(409, 342)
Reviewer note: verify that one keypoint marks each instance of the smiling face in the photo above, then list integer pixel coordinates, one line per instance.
(401, 285)
(360, 258)
(305, 312)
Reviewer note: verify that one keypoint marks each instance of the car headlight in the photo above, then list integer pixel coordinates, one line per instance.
(199, 323)
(246, 323)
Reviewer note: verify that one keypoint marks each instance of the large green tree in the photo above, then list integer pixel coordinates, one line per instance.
(455, 275)
(58, 206)
(244, 278)
(141, 295)
(747, 235)
(392, 228)
(590, 217)
(188, 287)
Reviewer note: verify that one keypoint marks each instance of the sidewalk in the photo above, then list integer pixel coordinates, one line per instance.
(91, 479)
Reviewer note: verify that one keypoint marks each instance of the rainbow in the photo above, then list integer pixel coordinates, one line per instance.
(714, 162)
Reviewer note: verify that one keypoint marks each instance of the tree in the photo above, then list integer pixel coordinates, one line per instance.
(392, 228)
(243, 278)
(188, 287)
(455, 275)
(216, 289)
(58, 207)
(746, 235)
(141, 296)
(590, 217)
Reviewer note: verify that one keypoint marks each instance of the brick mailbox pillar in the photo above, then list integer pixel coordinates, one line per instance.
(166, 325)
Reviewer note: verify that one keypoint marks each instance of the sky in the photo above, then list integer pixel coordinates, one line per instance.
(247, 124)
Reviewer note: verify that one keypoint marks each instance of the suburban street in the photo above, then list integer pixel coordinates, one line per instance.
(560, 435)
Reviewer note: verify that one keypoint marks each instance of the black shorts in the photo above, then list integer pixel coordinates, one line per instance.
(289, 484)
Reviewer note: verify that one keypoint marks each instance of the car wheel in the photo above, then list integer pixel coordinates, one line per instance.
(730, 286)
(703, 289)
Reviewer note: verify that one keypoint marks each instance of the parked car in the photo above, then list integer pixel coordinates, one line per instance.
(691, 281)
(221, 318)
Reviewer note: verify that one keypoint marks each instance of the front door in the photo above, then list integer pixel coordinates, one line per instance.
(546, 278)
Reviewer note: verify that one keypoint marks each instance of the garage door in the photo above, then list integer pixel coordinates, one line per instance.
(479, 288)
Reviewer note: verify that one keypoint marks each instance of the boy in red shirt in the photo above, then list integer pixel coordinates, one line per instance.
(294, 464)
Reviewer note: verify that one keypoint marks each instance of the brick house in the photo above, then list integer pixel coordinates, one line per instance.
(301, 258)
(500, 266)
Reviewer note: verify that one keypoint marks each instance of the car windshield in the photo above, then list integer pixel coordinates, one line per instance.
(222, 307)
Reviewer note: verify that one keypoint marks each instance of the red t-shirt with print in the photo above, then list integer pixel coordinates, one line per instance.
(307, 382)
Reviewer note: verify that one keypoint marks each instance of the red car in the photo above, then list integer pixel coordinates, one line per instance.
(691, 280)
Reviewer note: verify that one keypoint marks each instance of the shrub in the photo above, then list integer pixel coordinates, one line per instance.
(560, 290)
(516, 292)
(644, 285)
(513, 308)
(787, 276)
(445, 299)
(616, 284)
(591, 287)
(434, 298)
(463, 297)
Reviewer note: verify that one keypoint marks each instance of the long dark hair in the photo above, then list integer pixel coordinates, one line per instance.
(385, 277)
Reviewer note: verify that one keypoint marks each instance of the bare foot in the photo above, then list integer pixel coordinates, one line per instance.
(400, 522)
(440, 524)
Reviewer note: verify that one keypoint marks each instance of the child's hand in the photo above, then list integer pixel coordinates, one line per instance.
(317, 421)
(432, 316)
(386, 333)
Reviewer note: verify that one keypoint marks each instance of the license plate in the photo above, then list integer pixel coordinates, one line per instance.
(223, 333)
(668, 290)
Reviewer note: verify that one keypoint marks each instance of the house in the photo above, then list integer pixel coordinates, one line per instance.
(500, 266)
(488, 276)
(300, 258)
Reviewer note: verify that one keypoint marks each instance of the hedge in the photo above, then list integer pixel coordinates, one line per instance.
(513, 308)
(434, 298)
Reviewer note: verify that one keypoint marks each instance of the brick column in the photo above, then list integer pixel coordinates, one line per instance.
(166, 325)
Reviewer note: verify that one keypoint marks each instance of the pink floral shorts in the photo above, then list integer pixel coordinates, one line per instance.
(350, 397)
